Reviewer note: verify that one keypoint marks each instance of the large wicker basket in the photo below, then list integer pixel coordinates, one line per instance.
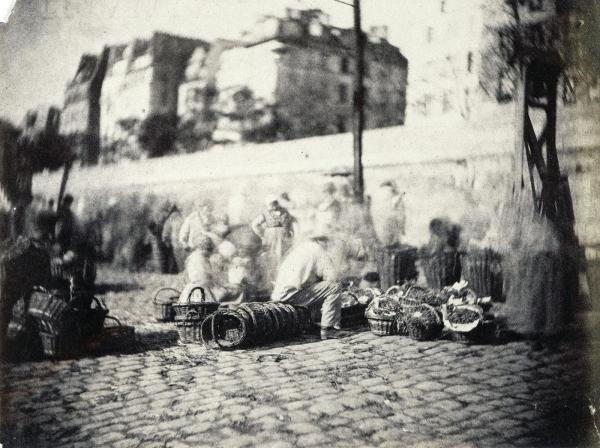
(482, 268)
(441, 268)
(397, 265)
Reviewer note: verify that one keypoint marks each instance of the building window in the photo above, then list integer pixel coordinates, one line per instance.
(429, 34)
(443, 6)
(470, 61)
(345, 65)
(366, 69)
(343, 93)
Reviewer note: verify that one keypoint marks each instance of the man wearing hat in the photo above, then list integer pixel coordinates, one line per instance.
(307, 277)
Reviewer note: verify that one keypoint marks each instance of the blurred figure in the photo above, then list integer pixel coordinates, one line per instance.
(196, 226)
(388, 214)
(66, 224)
(275, 227)
(307, 277)
(197, 265)
(329, 210)
(158, 250)
(175, 253)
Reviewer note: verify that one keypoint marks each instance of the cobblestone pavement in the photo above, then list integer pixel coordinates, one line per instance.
(359, 391)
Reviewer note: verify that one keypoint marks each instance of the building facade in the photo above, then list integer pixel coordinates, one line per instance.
(80, 119)
(143, 79)
(294, 78)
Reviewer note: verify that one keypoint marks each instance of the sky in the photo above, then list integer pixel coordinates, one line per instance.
(42, 42)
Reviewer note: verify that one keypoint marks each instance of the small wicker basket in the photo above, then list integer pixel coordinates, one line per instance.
(423, 323)
(163, 306)
(382, 326)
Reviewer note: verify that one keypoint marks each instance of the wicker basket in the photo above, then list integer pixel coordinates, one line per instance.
(112, 338)
(482, 268)
(163, 306)
(189, 327)
(423, 323)
(441, 268)
(60, 345)
(382, 326)
(397, 265)
(91, 321)
(353, 315)
(51, 310)
(228, 329)
(304, 317)
(202, 308)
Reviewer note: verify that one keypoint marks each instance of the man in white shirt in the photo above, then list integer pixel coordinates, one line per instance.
(196, 227)
(307, 277)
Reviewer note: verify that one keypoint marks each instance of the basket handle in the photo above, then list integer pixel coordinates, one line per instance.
(209, 320)
(119, 324)
(101, 304)
(203, 293)
(39, 288)
(159, 290)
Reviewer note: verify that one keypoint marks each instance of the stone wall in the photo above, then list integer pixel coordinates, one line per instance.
(451, 173)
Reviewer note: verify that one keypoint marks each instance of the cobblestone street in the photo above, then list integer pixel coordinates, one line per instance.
(360, 391)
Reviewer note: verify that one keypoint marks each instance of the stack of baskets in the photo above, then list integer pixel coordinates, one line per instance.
(254, 323)
(57, 328)
(442, 268)
(482, 268)
(189, 316)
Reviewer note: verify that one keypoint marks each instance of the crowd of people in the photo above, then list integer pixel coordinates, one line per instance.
(276, 256)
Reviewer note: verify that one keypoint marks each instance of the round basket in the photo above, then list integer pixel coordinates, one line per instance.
(304, 317)
(423, 323)
(163, 306)
(462, 318)
(261, 320)
(228, 329)
(441, 268)
(295, 323)
(382, 326)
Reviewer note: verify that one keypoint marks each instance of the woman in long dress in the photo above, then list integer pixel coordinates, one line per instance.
(276, 229)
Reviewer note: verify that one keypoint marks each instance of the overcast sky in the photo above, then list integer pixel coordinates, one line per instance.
(41, 45)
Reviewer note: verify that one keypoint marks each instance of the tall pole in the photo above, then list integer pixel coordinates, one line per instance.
(358, 117)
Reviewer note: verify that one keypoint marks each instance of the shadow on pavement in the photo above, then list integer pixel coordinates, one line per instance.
(103, 288)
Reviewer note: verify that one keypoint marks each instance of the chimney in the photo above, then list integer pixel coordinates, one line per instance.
(378, 33)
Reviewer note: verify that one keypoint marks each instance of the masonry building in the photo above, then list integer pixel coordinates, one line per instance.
(293, 78)
(142, 79)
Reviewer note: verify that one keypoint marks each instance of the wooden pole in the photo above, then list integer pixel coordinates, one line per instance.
(358, 105)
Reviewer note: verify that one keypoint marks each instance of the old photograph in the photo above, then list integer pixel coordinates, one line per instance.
(299, 223)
